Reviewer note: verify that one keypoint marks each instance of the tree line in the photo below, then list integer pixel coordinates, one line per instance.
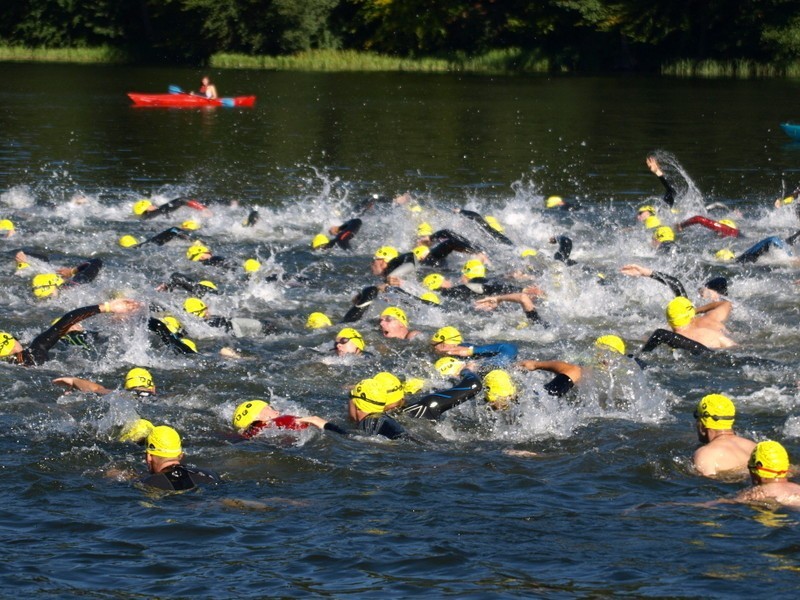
(574, 35)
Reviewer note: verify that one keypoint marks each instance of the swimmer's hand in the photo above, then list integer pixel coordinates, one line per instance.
(121, 306)
(652, 164)
(636, 271)
(486, 304)
(228, 352)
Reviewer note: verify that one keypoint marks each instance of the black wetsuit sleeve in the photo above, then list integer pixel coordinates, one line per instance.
(459, 292)
(671, 282)
(216, 261)
(179, 280)
(559, 385)
(165, 209)
(564, 250)
(669, 192)
(533, 317)
(38, 350)
(486, 227)
(335, 428)
(180, 478)
(170, 339)
(673, 340)
(793, 238)
(252, 218)
(218, 321)
(346, 232)
(361, 303)
(433, 405)
(166, 236)
(86, 272)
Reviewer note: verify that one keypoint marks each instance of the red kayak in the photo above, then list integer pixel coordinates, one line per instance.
(188, 100)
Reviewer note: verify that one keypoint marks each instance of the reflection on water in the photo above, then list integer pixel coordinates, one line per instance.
(595, 499)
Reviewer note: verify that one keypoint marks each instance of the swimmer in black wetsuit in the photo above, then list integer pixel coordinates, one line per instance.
(186, 283)
(48, 284)
(488, 224)
(343, 234)
(164, 456)
(38, 350)
(669, 191)
(147, 210)
(433, 405)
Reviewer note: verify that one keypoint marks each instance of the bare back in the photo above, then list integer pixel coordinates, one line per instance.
(726, 453)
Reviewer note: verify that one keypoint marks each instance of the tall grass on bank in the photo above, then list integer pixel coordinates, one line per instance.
(97, 55)
(734, 69)
(494, 62)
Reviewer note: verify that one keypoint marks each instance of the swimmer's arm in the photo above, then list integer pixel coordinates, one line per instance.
(704, 464)
(321, 423)
(633, 270)
(673, 340)
(491, 302)
(719, 311)
(574, 372)
(83, 385)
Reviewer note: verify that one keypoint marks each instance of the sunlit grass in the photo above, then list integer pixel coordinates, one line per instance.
(736, 69)
(98, 55)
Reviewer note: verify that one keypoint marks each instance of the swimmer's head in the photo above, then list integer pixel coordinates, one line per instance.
(611, 342)
(136, 431)
(724, 255)
(647, 210)
(664, 234)
(139, 379)
(424, 230)
(433, 281)
(413, 384)
(553, 202)
(528, 253)
(386, 253)
(128, 241)
(189, 344)
(368, 395)
(251, 265)
(392, 386)
(769, 460)
(46, 284)
(430, 298)
(500, 389)
(190, 225)
(447, 335)
(197, 252)
(7, 343)
(449, 366)
(247, 412)
(7, 228)
(715, 411)
(196, 307)
(172, 323)
(652, 222)
(729, 223)
(349, 341)
(473, 269)
(318, 320)
(208, 284)
(393, 322)
(718, 285)
(320, 241)
(140, 207)
(494, 224)
(680, 312)
(393, 312)
(420, 252)
(165, 442)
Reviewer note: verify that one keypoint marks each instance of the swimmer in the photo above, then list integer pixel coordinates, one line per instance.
(7, 228)
(199, 253)
(388, 263)
(558, 203)
(714, 289)
(669, 191)
(696, 330)
(48, 284)
(442, 243)
(170, 332)
(644, 212)
(722, 450)
(759, 249)
(38, 351)
(145, 209)
(488, 224)
(164, 456)
(448, 341)
(769, 471)
(725, 227)
(367, 407)
(525, 300)
(348, 341)
(393, 323)
(138, 381)
(254, 416)
(663, 240)
(343, 234)
(237, 326)
(195, 287)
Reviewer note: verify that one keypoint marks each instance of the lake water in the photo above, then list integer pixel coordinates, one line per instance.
(608, 505)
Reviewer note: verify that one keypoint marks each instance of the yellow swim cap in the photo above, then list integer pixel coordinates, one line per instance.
(190, 225)
(196, 307)
(611, 342)
(494, 224)
(664, 234)
(725, 255)
(318, 320)
(368, 396)
(196, 252)
(46, 284)
(473, 268)
(136, 431)
(386, 253)
(391, 385)
(652, 222)
(431, 297)
(424, 229)
(396, 313)
(412, 385)
(192, 346)
(769, 460)
(251, 265)
(6, 225)
(680, 312)
(247, 412)
(553, 201)
(6, 343)
(22, 265)
(141, 207)
(353, 336)
(319, 241)
(646, 208)
(528, 252)
(139, 378)
(128, 241)
(729, 223)
(715, 411)
(499, 387)
(449, 366)
(421, 252)
(433, 281)
(172, 323)
(209, 284)
(165, 442)
(448, 334)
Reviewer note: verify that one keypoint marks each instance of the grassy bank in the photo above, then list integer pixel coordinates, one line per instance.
(99, 55)
(735, 69)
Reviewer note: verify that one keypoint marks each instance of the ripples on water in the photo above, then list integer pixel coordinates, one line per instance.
(604, 507)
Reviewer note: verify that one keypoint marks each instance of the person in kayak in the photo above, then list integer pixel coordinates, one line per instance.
(208, 89)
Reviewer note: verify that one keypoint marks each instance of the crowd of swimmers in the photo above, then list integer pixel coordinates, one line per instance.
(383, 403)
